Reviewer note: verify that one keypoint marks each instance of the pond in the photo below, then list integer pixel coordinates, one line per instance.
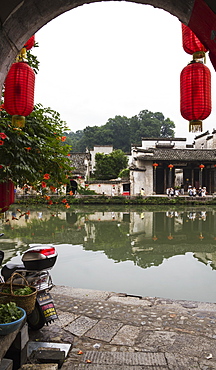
(145, 251)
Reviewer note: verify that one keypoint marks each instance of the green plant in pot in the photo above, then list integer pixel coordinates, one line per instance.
(11, 317)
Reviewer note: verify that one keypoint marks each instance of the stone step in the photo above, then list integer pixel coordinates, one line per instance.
(119, 360)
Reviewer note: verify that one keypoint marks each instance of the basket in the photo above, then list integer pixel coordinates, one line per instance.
(27, 302)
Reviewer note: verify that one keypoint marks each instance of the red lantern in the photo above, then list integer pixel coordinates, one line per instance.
(195, 91)
(170, 166)
(6, 195)
(190, 42)
(30, 43)
(19, 90)
(155, 165)
(201, 166)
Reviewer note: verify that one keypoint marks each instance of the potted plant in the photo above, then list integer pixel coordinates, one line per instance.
(11, 317)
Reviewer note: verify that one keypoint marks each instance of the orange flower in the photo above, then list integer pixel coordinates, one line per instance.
(43, 184)
(63, 138)
(50, 202)
(52, 188)
(47, 197)
(28, 148)
(67, 205)
(46, 176)
(71, 193)
(64, 200)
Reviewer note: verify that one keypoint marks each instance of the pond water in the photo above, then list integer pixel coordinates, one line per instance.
(150, 251)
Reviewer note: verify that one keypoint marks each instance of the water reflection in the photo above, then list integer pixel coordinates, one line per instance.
(145, 237)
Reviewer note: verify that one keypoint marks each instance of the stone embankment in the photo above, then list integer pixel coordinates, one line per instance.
(110, 331)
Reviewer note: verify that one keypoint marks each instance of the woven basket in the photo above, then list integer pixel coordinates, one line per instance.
(27, 302)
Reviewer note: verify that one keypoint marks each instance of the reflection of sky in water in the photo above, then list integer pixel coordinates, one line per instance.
(179, 277)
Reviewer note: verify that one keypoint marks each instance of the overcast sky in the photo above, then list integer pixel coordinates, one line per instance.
(113, 58)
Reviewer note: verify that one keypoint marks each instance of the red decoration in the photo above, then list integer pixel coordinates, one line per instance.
(19, 90)
(190, 42)
(195, 91)
(201, 166)
(6, 195)
(155, 165)
(170, 166)
(30, 43)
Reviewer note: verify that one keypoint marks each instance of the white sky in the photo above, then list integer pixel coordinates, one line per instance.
(113, 58)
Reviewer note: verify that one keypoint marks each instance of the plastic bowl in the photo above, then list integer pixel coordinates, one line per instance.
(9, 327)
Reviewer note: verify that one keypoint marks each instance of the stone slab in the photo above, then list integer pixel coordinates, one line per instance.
(65, 318)
(126, 336)
(39, 367)
(104, 330)
(176, 343)
(114, 367)
(80, 293)
(130, 301)
(81, 325)
(125, 358)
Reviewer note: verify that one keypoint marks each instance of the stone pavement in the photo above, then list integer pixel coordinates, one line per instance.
(110, 331)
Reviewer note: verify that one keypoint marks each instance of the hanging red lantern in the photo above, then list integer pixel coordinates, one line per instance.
(170, 166)
(6, 195)
(19, 89)
(155, 165)
(30, 43)
(191, 44)
(195, 92)
(201, 166)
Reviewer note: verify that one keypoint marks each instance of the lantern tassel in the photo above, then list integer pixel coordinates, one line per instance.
(18, 121)
(195, 126)
(22, 56)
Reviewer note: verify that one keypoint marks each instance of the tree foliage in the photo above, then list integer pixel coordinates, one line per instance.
(121, 132)
(108, 166)
(27, 154)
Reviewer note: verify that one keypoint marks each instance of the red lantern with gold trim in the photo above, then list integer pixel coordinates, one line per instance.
(195, 94)
(170, 166)
(201, 166)
(155, 165)
(19, 89)
(190, 42)
(6, 195)
(30, 43)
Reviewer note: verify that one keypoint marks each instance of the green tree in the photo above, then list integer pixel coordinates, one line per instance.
(108, 166)
(119, 132)
(167, 128)
(122, 132)
(27, 154)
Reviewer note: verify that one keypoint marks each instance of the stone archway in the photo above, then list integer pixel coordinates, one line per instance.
(20, 19)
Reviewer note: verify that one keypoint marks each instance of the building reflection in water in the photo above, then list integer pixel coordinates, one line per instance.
(143, 236)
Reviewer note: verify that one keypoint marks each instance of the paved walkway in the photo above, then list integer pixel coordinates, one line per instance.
(110, 331)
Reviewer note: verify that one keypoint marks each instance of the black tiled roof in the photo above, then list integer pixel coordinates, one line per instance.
(178, 154)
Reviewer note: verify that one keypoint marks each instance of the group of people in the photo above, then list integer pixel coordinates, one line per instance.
(193, 192)
(171, 192)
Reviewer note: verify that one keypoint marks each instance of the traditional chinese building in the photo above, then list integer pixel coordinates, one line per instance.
(169, 162)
